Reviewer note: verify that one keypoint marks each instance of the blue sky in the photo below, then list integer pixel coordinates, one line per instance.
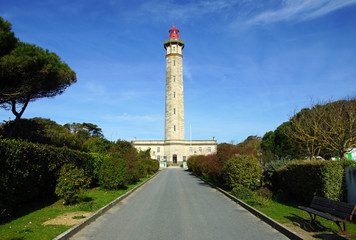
(248, 64)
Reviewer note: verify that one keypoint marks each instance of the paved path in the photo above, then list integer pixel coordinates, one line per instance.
(177, 205)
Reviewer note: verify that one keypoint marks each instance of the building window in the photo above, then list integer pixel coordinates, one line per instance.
(174, 127)
(184, 158)
(209, 149)
(174, 110)
(153, 153)
(174, 48)
(174, 78)
(158, 149)
(200, 149)
(190, 149)
(174, 94)
(158, 157)
(174, 62)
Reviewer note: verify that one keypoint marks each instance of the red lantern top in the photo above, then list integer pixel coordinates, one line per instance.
(173, 33)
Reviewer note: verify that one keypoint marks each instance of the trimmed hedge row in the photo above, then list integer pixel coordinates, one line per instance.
(301, 180)
(240, 170)
(30, 170)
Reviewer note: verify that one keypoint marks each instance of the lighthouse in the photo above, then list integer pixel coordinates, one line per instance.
(174, 112)
(174, 149)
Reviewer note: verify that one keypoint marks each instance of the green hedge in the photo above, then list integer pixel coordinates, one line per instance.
(29, 170)
(301, 180)
(243, 170)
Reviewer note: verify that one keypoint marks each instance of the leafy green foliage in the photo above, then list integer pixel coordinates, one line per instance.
(70, 182)
(113, 173)
(278, 144)
(301, 180)
(97, 145)
(29, 72)
(242, 192)
(243, 170)
(46, 131)
(29, 170)
(8, 40)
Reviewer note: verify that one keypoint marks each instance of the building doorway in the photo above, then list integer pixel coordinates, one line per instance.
(174, 158)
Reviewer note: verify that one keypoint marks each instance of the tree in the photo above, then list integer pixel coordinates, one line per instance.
(93, 129)
(8, 40)
(305, 127)
(329, 127)
(29, 72)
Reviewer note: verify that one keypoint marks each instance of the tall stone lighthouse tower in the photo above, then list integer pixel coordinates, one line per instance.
(174, 149)
(174, 124)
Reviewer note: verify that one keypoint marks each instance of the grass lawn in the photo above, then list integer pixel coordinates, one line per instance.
(28, 224)
(292, 216)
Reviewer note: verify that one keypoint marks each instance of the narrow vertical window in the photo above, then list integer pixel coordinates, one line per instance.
(190, 149)
(174, 78)
(200, 150)
(174, 94)
(174, 111)
(209, 149)
(174, 62)
(158, 149)
(174, 127)
(174, 49)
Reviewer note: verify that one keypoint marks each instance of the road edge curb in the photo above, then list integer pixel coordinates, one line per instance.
(70, 232)
(276, 225)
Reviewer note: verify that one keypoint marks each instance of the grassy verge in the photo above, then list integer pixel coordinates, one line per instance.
(292, 216)
(29, 226)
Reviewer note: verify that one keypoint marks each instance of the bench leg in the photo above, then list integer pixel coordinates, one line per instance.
(342, 232)
(312, 218)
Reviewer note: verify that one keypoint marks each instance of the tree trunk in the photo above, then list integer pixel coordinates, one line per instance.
(17, 114)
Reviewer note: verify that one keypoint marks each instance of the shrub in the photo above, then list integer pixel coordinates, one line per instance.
(96, 161)
(243, 193)
(113, 173)
(301, 180)
(243, 170)
(269, 171)
(29, 170)
(70, 182)
(197, 164)
(261, 200)
(265, 192)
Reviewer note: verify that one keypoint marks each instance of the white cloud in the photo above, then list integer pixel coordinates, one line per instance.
(299, 10)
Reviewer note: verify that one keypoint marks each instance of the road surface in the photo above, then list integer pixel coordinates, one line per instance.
(177, 205)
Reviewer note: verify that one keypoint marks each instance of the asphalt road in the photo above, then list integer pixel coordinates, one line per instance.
(177, 205)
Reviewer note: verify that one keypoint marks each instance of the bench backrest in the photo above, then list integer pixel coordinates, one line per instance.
(338, 209)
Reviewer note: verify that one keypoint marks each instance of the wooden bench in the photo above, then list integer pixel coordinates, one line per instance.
(338, 212)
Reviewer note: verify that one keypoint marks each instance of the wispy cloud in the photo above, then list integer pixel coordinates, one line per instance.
(298, 10)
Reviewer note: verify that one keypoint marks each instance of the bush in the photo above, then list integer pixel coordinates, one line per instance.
(243, 170)
(70, 182)
(96, 161)
(29, 170)
(243, 193)
(261, 200)
(269, 171)
(113, 173)
(198, 164)
(301, 180)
